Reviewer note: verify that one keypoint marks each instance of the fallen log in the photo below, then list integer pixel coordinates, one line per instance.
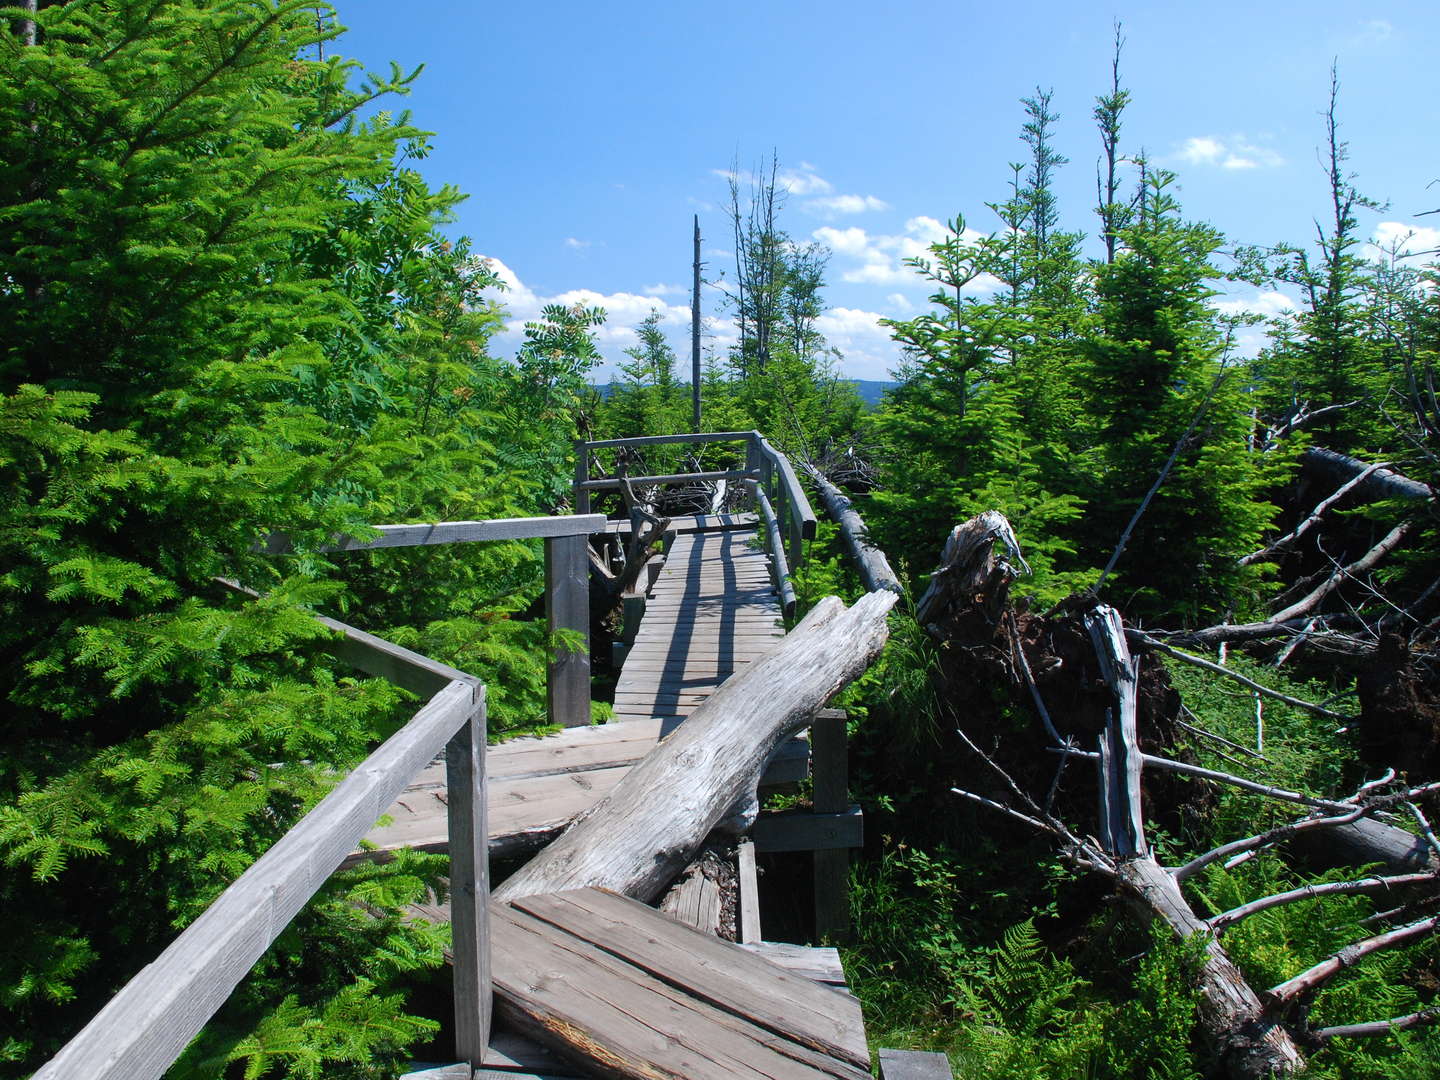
(637, 838)
(874, 567)
(1381, 484)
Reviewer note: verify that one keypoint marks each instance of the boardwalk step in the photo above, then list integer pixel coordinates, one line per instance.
(656, 998)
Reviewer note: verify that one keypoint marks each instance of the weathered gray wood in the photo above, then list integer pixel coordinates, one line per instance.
(457, 532)
(830, 770)
(667, 440)
(613, 1018)
(816, 963)
(712, 970)
(749, 890)
(697, 899)
(794, 493)
(874, 567)
(458, 1071)
(538, 786)
(914, 1065)
(582, 474)
(567, 607)
(469, 886)
(803, 830)
(654, 820)
(693, 523)
(783, 584)
(614, 483)
(1251, 1039)
(1381, 484)
(147, 1024)
(1122, 821)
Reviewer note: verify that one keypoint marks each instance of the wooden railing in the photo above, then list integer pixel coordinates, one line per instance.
(783, 507)
(146, 1026)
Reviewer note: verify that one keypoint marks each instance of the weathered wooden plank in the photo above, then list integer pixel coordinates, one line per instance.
(695, 523)
(457, 532)
(817, 963)
(801, 830)
(613, 483)
(149, 1022)
(523, 811)
(713, 970)
(914, 1065)
(653, 821)
(469, 887)
(874, 567)
(606, 1013)
(567, 607)
(458, 1071)
(697, 899)
(666, 440)
(749, 889)
(831, 795)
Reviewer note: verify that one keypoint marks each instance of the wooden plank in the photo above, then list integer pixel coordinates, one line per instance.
(512, 1053)
(914, 1065)
(591, 1007)
(715, 971)
(831, 795)
(666, 440)
(817, 963)
(697, 899)
(456, 532)
(695, 523)
(790, 483)
(469, 887)
(801, 830)
(613, 483)
(144, 1027)
(459, 1071)
(749, 917)
(523, 811)
(567, 607)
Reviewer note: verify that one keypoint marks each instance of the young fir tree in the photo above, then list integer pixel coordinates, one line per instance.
(224, 309)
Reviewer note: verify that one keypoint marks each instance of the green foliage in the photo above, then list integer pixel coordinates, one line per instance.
(227, 309)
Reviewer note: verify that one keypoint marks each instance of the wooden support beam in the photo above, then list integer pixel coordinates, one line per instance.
(749, 890)
(455, 532)
(567, 607)
(914, 1065)
(830, 769)
(801, 830)
(469, 886)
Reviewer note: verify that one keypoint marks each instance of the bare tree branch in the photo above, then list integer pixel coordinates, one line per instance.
(1154, 643)
(1289, 538)
(1314, 977)
(1311, 892)
(1379, 1027)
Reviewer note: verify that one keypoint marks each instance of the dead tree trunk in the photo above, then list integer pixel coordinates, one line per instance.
(1252, 1044)
(873, 565)
(637, 839)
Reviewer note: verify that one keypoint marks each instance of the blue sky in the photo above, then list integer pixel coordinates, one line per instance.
(588, 134)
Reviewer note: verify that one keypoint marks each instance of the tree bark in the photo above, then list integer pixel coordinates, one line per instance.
(1252, 1044)
(874, 566)
(1381, 484)
(651, 825)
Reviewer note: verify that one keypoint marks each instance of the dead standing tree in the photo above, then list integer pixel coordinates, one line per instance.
(1255, 1034)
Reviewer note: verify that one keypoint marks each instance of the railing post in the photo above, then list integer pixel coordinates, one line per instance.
(831, 796)
(581, 495)
(469, 885)
(567, 607)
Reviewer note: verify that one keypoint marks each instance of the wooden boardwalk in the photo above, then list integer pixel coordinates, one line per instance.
(711, 611)
(598, 977)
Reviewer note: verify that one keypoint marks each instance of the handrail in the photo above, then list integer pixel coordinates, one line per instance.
(146, 1026)
(767, 471)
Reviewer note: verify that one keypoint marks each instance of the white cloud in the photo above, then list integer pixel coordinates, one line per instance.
(880, 258)
(1267, 303)
(571, 242)
(803, 181)
(1404, 240)
(835, 205)
(1367, 33)
(1234, 152)
(664, 290)
(899, 302)
(623, 312)
(868, 351)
